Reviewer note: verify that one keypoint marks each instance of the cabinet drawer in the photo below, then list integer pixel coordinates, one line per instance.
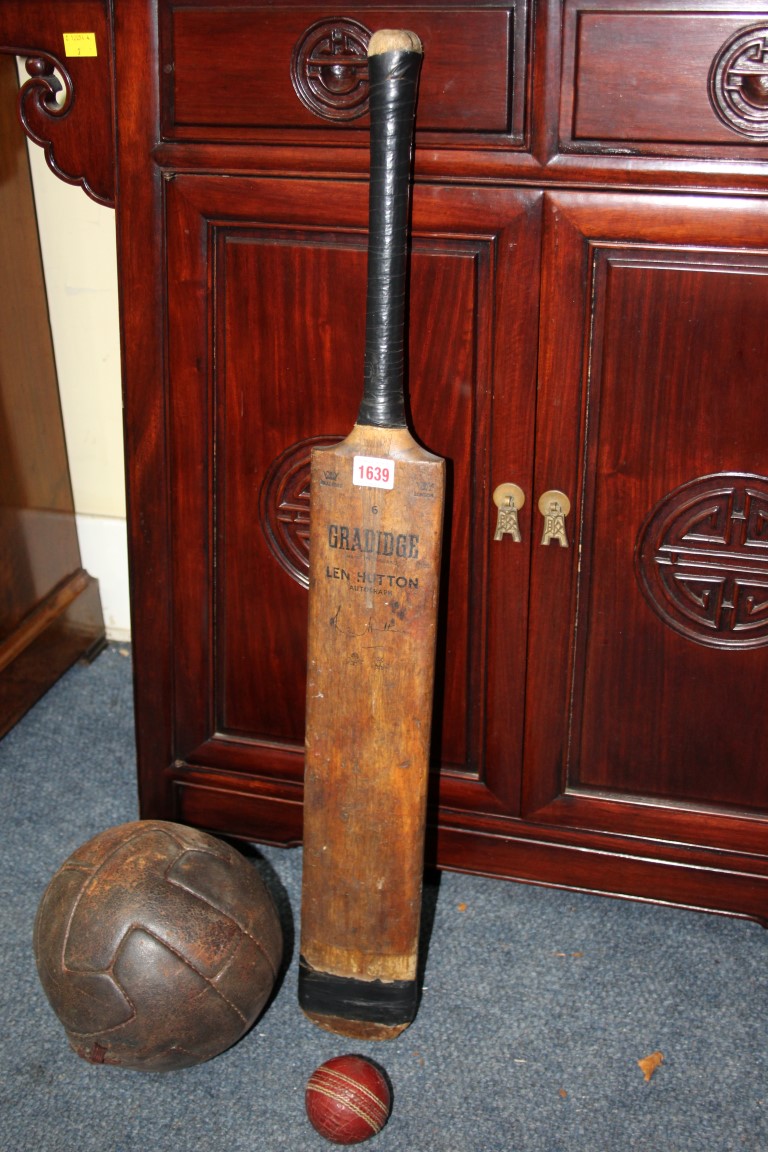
(664, 75)
(232, 72)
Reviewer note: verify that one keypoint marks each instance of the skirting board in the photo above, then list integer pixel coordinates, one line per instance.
(104, 554)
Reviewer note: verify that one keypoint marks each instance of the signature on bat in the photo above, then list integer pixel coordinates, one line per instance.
(369, 628)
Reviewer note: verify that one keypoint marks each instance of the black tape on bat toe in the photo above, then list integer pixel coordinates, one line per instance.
(369, 1001)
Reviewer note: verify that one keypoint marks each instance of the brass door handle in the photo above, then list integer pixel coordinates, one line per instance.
(509, 499)
(554, 507)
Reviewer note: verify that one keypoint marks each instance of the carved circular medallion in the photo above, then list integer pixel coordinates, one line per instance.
(284, 506)
(738, 82)
(702, 560)
(329, 69)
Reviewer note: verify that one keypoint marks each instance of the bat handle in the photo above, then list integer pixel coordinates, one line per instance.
(394, 62)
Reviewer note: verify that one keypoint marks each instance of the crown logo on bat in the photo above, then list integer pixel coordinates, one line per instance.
(331, 476)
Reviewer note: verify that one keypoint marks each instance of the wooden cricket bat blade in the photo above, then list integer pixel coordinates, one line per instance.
(374, 580)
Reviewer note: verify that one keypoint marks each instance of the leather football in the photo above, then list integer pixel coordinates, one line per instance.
(157, 946)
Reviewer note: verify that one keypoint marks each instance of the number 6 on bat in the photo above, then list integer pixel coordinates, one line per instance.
(376, 528)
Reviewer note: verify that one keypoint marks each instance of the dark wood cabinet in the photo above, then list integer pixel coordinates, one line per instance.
(50, 611)
(588, 310)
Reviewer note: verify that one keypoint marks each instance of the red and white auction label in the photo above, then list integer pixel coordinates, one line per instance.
(373, 472)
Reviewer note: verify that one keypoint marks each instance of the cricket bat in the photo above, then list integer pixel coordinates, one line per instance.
(376, 510)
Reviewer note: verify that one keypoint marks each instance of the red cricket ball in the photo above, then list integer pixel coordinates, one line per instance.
(348, 1099)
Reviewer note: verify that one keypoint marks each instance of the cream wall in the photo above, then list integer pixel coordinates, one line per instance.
(77, 238)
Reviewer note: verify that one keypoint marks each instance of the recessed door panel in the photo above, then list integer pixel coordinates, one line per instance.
(661, 436)
(267, 343)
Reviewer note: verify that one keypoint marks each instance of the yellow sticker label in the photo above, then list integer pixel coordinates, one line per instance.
(80, 44)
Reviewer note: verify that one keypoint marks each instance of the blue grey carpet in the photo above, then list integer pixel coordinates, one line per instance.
(537, 1003)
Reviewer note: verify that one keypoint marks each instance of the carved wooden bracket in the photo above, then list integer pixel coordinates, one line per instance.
(70, 117)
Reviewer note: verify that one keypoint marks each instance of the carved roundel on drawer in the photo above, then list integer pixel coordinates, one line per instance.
(329, 69)
(738, 82)
(284, 506)
(702, 560)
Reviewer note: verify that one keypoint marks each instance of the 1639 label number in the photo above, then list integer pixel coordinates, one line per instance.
(373, 472)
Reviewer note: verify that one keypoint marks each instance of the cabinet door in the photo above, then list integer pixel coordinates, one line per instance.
(266, 333)
(649, 633)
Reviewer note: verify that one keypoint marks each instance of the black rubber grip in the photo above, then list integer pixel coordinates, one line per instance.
(393, 83)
